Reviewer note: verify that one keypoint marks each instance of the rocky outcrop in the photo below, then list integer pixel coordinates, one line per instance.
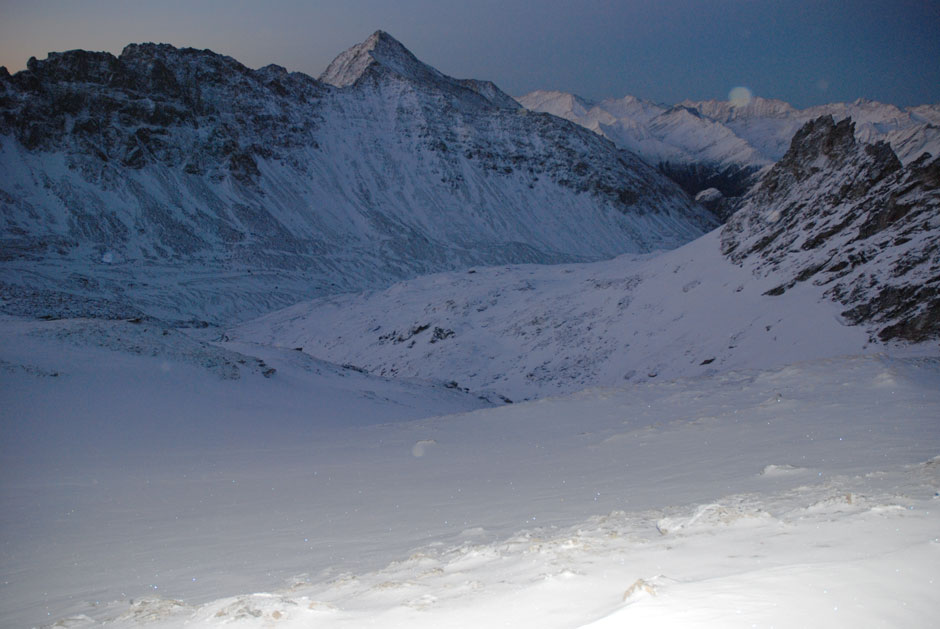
(848, 216)
(155, 103)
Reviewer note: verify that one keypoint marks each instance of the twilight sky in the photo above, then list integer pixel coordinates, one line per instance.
(803, 51)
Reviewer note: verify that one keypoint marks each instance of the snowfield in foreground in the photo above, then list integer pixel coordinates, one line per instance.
(151, 479)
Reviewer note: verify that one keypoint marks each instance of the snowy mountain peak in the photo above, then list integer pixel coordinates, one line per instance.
(561, 104)
(728, 110)
(382, 55)
(379, 50)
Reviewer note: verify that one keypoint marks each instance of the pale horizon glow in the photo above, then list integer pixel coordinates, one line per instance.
(800, 51)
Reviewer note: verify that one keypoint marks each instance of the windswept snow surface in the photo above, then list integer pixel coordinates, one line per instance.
(132, 456)
(152, 479)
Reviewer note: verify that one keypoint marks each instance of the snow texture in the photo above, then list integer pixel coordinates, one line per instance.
(143, 489)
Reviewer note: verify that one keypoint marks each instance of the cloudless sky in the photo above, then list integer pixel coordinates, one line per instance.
(803, 51)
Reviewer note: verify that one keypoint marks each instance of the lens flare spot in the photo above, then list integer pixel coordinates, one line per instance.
(740, 96)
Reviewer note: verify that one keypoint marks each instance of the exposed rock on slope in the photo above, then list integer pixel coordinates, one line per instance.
(837, 233)
(531, 330)
(848, 216)
(179, 183)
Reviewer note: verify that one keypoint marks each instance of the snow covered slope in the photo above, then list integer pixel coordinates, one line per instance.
(94, 411)
(721, 144)
(148, 490)
(841, 213)
(849, 217)
(180, 167)
(531, 331)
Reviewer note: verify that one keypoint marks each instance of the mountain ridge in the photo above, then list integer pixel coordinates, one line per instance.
(181, 163)
(725, 144)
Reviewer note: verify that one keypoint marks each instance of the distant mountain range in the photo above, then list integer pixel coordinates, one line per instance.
(723, 144)
(178, 183)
